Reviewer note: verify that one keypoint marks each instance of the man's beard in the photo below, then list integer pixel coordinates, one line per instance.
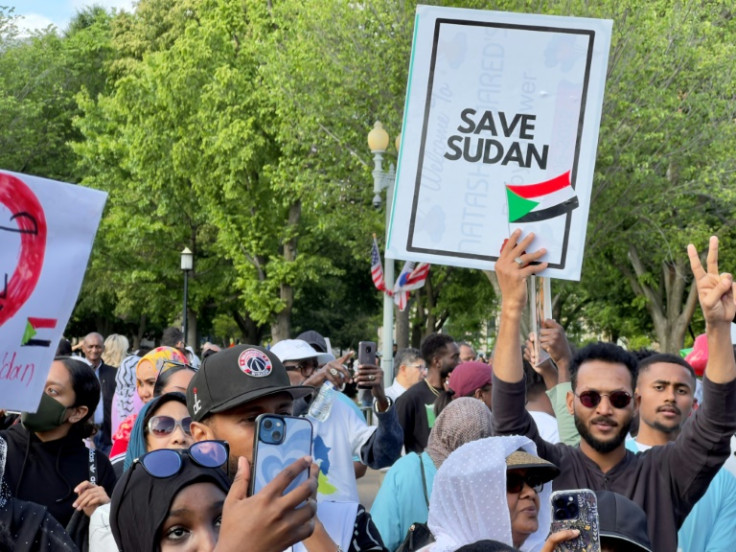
(445, 371)
(603, 447)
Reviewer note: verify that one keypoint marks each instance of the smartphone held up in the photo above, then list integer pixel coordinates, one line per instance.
(279, 441)
(366, 355)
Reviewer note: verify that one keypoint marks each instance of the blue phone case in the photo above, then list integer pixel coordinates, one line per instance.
(270, 458)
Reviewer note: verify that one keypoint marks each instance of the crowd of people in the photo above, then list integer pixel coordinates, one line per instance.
(155, 449)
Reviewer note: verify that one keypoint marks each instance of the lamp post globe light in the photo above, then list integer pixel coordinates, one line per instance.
(378, 140)
(187, 263)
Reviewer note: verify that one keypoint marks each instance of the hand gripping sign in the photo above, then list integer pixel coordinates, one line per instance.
(500, 132)
(46, 234)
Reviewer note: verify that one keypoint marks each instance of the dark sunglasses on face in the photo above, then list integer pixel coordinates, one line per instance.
(591, 399)
(515, 482)
(164, 463)
(305, 367)
(160, 426)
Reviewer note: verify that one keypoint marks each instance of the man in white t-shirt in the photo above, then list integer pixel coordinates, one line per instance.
(411, 369)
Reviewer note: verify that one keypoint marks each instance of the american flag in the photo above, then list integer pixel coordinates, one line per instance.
(376, 267)
(411, 277)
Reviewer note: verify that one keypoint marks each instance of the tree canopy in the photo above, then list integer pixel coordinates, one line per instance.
(237, 128)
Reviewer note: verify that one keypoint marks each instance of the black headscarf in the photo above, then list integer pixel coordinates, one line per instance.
(141, 502)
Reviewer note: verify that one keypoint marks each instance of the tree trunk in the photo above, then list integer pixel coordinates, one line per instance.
(431, 320)
(138, 337)
(402, 328)
(251, 332)
(281, 327)
(667, 304)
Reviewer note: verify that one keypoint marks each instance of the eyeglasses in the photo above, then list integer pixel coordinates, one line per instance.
(160, 426)
(515, 482)
(164, 463)
(591, 399)
(421, 367)
(306, 367)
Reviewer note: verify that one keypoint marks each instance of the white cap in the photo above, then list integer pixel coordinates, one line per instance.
(293, 349)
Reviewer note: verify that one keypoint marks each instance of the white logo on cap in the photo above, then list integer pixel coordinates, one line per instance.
(255, 363)
(197, 406)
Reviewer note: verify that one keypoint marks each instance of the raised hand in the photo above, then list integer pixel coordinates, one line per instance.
(334, 371)
(553, 340)
(715, 290)
(513, 266)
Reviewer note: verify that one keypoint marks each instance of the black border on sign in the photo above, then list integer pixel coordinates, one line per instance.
(430, 81)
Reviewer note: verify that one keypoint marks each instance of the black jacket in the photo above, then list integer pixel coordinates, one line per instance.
(103, 438)
(47, 473)
(666, 481)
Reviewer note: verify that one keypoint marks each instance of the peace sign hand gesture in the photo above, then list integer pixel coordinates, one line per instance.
(715, 291)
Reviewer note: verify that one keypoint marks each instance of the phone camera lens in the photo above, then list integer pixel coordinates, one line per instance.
(267, 424)
(573, 510)
(276, 435)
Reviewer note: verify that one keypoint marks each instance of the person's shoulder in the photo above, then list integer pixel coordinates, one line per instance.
(415, 392)
(16, 433)
(106, 368)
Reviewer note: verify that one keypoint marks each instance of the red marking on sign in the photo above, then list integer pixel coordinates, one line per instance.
(28, 214)
(38, 323)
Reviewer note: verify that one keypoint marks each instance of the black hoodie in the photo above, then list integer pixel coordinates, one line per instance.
(47, 473)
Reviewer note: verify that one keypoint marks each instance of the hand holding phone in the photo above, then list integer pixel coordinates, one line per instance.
(576, 509)
(281, 519)
(366, 356)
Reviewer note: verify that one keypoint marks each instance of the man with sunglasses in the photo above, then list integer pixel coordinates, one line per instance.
(345, 429)
(665, 481)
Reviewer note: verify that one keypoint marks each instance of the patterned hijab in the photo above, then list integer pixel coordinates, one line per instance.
(463, 420)
(468, 501)
(124, 397)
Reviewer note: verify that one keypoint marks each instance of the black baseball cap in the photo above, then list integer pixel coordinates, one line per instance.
(623, 520)
(236, 376)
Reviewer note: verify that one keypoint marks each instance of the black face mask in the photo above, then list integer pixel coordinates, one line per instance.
(50, 415)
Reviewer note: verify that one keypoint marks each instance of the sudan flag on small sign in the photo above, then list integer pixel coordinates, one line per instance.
(542, 201)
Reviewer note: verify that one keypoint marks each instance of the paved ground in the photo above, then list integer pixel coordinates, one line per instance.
(368, 487)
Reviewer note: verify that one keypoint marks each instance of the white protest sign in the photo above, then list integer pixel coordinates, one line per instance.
(500, 132)
(46, 234)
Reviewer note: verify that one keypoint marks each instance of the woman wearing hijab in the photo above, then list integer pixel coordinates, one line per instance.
(163, 423)
(492, 489)
(182, 500)
(403, 498)
(147, 371)
(126, 401)
(142, 504)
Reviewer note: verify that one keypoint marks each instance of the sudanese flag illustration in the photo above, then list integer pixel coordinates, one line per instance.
(541, 201)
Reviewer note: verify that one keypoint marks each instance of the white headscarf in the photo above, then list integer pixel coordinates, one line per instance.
(468, 501)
